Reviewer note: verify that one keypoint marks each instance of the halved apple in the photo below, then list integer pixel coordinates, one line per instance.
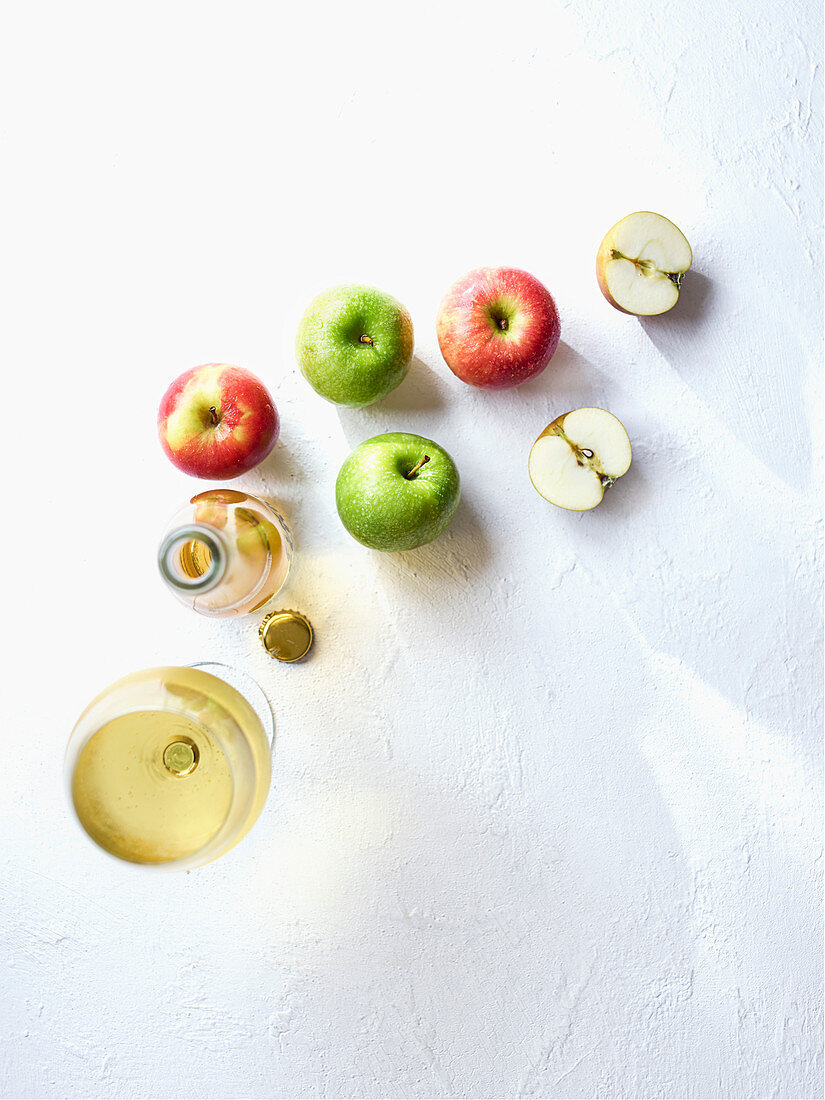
(641, 262)
(578, 456)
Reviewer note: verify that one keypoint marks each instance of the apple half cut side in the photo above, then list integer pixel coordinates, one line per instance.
(578, 456)
(641, 262)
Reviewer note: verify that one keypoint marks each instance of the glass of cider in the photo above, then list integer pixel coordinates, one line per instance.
(170, 767)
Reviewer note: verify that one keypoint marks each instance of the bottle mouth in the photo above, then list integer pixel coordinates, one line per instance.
(192, 558)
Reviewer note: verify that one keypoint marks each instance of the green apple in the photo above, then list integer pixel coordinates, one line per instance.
(397, 491)
(354, 345)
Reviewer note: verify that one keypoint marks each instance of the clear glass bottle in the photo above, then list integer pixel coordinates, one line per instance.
(170, 767)
(226, 553)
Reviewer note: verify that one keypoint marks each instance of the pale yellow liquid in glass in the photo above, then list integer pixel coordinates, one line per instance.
(154, 785)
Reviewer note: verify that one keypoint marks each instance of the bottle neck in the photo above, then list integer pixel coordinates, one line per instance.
(193, 559)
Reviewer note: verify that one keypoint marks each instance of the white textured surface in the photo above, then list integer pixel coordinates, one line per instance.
(546, 813)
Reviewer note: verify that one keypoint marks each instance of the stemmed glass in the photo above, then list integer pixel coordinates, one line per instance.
(170, 767)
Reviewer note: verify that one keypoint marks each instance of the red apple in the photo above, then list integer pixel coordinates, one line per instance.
(497, 327)
(217, 421)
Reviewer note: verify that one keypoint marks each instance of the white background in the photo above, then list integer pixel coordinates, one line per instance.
(545, 816)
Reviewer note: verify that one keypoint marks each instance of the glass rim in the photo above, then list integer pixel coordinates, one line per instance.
(263, 712)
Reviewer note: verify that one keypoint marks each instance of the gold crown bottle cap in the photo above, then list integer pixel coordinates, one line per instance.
(286, 635)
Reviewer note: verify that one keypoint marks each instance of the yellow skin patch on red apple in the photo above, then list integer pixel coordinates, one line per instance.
(192, 413)
(217, 421)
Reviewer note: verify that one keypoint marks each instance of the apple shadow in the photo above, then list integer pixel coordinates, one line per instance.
(279, 468)
(408, 408)
(570, 381)
(284, 481)
(768, 418)
(456, 559)
(674, 332)
(626, 497)
(281, 477)
(421, 391)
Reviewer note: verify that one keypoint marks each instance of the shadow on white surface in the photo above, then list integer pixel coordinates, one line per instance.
(456, 557)
(421, 391)
(687, 320)
(570, 381)
(281, 475)
(409, 408)
(724, 364)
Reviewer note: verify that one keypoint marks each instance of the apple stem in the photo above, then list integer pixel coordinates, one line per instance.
(503, 324)
(415, 469)
(213, 412)
(367, 340)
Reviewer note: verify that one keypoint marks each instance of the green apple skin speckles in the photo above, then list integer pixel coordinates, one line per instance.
(385, 509)
(354, 345)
